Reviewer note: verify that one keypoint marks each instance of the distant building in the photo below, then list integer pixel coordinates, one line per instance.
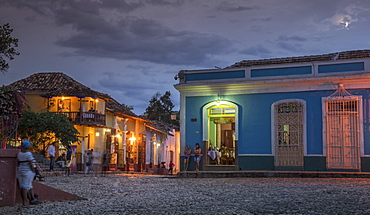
(103, 123)
(297, 113)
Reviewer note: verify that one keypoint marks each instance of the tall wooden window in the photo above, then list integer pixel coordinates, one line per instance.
(342, 129)
(289, 133)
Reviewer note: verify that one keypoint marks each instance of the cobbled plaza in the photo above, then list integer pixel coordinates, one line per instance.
(154, 194)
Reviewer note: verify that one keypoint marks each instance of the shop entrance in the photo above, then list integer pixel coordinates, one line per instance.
(221, 144)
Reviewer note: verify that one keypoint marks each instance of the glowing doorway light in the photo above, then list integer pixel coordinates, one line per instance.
(132, 138)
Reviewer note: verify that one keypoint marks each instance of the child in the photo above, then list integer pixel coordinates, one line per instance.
(171, 165)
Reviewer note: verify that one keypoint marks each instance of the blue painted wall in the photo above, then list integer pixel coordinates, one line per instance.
(366, 116)
(255, 119)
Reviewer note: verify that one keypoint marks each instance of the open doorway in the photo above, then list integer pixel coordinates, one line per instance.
(220, 134)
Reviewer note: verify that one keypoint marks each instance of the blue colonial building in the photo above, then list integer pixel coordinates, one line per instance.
(308, 113)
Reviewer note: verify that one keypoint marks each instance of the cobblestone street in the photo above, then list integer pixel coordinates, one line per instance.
(149, 194)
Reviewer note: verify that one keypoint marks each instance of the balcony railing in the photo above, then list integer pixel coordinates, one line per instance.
(85, 118)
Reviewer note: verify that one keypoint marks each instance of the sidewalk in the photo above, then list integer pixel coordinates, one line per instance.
(266, 174)
(235, 174)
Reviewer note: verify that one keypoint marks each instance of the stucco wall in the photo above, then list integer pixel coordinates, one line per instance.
(255, 119)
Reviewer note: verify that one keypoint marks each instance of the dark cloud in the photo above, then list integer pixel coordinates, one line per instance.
(292, 38)
(130, 83)
(290, 47)
(98, 32)
(165, 2)
(39, 6)
(139, 67)
(133, 89)
(47, 7)
(232, 7)
(262, 19)
(256, 51)
(121, 5)
(291, 43)
(140, 39)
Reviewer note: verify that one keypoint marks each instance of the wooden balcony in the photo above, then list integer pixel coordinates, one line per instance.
(85, 118)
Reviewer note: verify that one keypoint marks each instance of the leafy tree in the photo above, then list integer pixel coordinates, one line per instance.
(44, 128)
(128, 107)
(160, 107)
(12, 105)
(7, 46)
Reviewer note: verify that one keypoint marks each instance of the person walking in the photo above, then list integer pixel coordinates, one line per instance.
(88, 161)
(105, 162)
(68, 161)
(25, 174)
(92, 158)
(171, 165)
(51, 151)
(197, 156)
(187, 154)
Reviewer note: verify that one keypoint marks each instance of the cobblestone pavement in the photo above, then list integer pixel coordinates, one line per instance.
(149, 194)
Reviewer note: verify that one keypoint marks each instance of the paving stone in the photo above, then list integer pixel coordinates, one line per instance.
(153, 194)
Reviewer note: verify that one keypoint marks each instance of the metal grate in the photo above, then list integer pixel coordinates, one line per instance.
(288, 134)
(342, 134)
(342, 122)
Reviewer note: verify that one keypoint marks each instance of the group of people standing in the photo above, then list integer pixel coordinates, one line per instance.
(90, 157)
(64, 160)
(197, 157)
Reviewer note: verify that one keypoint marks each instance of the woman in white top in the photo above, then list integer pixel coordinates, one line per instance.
(26, 173)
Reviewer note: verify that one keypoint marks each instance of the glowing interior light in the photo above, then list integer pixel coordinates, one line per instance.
(132, 138)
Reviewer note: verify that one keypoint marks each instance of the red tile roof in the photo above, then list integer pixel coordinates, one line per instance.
(52, 84)
(346, 55)
(114, 106)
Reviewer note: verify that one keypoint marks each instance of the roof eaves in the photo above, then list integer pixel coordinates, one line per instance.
(157, 129)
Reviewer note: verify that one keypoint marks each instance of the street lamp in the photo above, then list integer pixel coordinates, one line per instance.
(173, 116)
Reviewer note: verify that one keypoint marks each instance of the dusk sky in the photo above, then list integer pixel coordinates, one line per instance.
(132, 49)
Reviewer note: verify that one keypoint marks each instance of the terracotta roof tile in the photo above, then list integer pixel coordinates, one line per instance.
(357, 54)
(160, 126)
(115, 106)
(56, 84)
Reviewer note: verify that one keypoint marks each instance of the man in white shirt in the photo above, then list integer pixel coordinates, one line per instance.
(51, 151)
